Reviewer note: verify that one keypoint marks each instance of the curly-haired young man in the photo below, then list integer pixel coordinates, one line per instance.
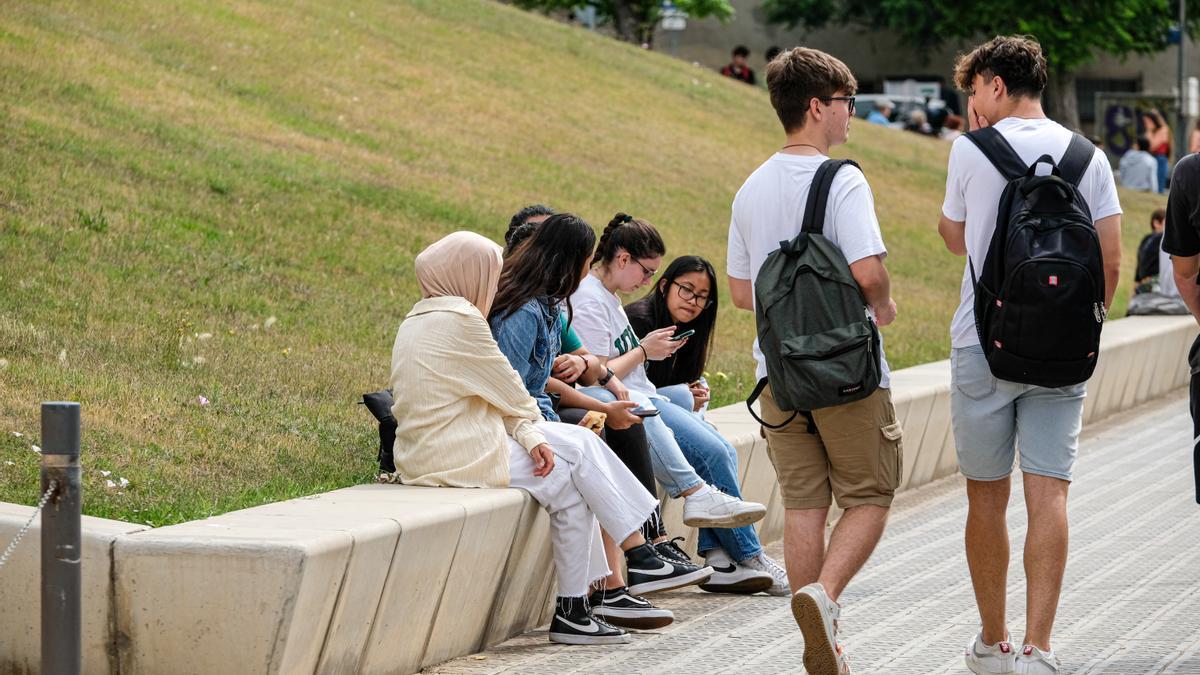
(1004, 78)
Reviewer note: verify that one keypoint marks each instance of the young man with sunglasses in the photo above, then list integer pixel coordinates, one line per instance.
(853, 451)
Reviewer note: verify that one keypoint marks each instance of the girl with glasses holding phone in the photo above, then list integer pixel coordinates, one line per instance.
(685, 297)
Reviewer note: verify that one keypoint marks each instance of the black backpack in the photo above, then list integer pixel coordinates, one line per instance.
(1039, 298)
(820, 347)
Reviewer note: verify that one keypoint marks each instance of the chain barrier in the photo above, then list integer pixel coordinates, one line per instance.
(21, 533)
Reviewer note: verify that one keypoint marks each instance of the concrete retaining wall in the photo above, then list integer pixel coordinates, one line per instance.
(384, 578)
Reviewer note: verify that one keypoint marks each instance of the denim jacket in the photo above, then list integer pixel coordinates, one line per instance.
(530, 337)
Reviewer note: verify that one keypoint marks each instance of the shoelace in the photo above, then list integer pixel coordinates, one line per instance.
(678, 552)
(773, 568)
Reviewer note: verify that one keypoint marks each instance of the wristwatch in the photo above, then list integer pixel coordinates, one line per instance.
(608, 375)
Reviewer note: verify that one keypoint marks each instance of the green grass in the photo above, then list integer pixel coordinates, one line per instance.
(173, 170)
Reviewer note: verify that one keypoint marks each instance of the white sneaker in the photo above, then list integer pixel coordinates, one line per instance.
(986, 659)
(730, 577)
(1033, 661)
(779, 584)
(714, 508)
(817, 617)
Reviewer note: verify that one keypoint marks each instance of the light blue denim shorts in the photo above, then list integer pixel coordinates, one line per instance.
(994, 418)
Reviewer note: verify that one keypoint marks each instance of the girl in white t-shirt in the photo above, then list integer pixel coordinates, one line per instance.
(690, 458)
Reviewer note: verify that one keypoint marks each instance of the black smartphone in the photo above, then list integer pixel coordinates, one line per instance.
(679, 336)
(645, 412)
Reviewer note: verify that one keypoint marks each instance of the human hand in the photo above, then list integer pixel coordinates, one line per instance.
(974, 120)
(618, 388)
(568, 367)
(543, 460)
(885, 314)
(619, 417)
(700, 395)
(658, 344)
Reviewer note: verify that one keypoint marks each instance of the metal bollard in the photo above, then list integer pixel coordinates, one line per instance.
(61, 553)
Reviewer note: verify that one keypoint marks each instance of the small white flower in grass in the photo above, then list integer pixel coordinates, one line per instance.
(62, 356)
(204, 336)
(201, 400)
(269, 323)
(18, 434)
(104, 473)
(3, 364)
(123, 483)
(7, 463)
(35, 449)
(109, 484)
(199, 360)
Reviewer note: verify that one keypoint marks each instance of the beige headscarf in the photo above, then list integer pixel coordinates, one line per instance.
(462, 264)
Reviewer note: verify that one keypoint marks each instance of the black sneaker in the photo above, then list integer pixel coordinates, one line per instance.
(671, 551)
(621, 608)
(574, 624)
(649, 571)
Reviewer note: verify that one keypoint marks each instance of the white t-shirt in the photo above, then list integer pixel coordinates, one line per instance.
(770, 207)
(601, 324)
(974, 186)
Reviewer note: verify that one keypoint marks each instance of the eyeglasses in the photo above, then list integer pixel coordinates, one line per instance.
(647, 273)
(688, 294)
(830, 99)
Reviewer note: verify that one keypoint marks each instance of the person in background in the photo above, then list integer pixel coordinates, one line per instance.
(738, 69)
(1139, 168)
(772, 52)
(918, 123)
(1148, 251)
(465, 420)
(1194, 139)
(685, 297)
(1159, 134)
(882, 114)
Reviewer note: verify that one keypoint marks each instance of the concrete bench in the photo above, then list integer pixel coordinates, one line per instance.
(386, 578)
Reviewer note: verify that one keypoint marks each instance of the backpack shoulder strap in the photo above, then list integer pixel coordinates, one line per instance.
(998, 152)
(818, 194)
(1076, 160)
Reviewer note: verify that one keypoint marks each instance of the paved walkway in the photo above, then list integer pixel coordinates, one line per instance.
(1131, 597)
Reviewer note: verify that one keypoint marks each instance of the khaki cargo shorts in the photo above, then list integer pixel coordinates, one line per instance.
(855, 456)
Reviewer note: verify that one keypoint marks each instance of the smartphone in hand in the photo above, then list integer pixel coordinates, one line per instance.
(681, 336)
(645, 412)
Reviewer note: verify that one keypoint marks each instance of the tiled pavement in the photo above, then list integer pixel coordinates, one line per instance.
(1131, 597)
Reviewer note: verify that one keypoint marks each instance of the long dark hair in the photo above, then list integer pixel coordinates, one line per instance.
(633, 235)
(687, 365)
(547, 265)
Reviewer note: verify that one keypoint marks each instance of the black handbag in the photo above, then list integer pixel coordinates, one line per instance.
(380, 405)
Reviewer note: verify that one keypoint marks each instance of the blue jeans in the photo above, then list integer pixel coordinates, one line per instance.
(1164, 167)
(717, 462)
(671, 468)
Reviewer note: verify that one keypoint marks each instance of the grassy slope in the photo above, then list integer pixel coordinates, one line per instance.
(199, 167)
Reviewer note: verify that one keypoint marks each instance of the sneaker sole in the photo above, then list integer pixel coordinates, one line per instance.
(572, 639)
(819, 656)
(737, 520)
(743, 587)
(639, 622)
(699, 576)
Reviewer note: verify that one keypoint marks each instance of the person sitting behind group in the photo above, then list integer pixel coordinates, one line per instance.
(685, 297)
(738, 69)
(464, 419)
(1138, 168)
(1149, 250)
(882, 114)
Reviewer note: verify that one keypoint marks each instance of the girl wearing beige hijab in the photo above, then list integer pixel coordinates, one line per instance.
(464, 419)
